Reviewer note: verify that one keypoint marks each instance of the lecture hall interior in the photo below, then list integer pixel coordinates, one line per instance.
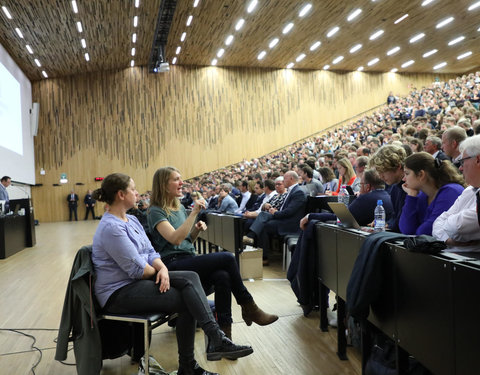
(232, 91)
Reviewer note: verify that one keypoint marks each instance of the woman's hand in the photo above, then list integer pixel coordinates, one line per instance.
(200, 204)
(201, 226)
(163, 279)
(409, 191)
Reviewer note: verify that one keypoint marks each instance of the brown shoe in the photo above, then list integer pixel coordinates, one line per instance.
(247, 240)
(265, 262)
(252, 313)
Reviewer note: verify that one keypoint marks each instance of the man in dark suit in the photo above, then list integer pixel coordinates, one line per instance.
(282, 221)
(451, 139)
(72, 200)
(362, 208)
(433, 145)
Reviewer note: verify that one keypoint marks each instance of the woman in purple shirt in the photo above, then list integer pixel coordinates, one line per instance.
(432, 186)
(131, 278)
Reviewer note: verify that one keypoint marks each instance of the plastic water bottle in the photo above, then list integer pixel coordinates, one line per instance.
(379, 217)
(343, 196)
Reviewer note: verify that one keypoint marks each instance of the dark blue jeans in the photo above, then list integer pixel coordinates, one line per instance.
(185, 296)
(219, 270)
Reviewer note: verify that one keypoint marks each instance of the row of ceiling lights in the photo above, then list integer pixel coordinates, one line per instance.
(184, 34)
(21, 36)
(306, 9)
(379, 33)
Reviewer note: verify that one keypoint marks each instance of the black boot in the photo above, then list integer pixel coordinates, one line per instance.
(194, 369)
(220, 346)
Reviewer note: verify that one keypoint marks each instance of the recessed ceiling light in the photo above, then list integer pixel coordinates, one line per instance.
(326, 67)
(214, 62)
(134, 38)
(195, 3)
(444, 22)
(401, 18)
(133, 51)
(44, 73)
(74, 6)
(189, 20)
(87, 57)
(360, 68)
(273, 43)
(456, 40)
(354, 14)
(373, 61)
(463, 55)
(137, 4)
(337, 60)
(376, 34)
(287, 28)
(430, 53)
(239, 24)
(29, 49)
(37, 62)
(7, 13)
(174, 60)
(132, 63)
(408, 63)
(355, 48)
(177, 51)
(474, 6)
(229, 40)
(184, 35)
(83, 43)
(315, 45)
(441, 65)
(135, 21)
(305, 10)
(393, 50)
(300, 57)
(417, 37)
(426, 2)
(261, 55)
(19, 33)
(394, 70)
(478, 29)
(333, 31)
(290, 65)
(220, 52)
(252, 6)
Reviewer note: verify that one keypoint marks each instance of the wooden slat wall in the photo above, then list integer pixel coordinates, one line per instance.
(197, 119)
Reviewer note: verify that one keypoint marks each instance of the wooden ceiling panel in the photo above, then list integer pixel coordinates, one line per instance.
(49, 28)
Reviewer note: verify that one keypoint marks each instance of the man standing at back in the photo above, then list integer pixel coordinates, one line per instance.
(72, 200)
(5, 182)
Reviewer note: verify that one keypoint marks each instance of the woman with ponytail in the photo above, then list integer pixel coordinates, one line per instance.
(432, 186)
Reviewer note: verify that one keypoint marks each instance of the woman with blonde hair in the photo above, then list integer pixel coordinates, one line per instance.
(346, 176)
(173, 234)
(432, 186)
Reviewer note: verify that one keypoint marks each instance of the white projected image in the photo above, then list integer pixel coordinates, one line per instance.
(10, 112)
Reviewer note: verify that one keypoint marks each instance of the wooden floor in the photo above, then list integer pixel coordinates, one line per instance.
(32, 289)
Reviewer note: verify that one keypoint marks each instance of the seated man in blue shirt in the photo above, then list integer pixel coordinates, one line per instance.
(228, 204)
(362, 208)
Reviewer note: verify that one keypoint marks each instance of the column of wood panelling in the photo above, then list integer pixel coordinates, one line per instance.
(197, 119)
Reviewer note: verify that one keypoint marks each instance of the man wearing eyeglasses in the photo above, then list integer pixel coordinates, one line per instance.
(459, 226)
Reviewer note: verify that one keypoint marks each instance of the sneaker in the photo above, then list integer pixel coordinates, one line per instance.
(154, 368)
(332, 318)
(247, 240)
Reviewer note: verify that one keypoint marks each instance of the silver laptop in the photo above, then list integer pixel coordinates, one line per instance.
(344, 215)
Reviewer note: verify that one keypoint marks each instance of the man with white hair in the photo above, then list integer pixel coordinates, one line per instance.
(459, 226)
